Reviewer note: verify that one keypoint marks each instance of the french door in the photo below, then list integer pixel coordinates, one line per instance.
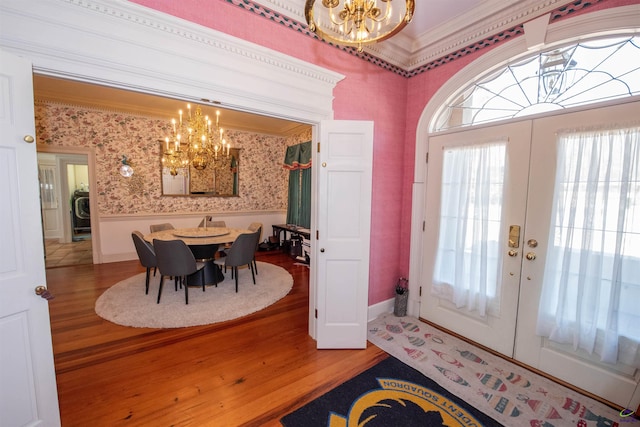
(509, 323)
(615, 382)
(495, 329)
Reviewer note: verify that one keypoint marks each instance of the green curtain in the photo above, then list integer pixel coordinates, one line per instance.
(298, 161)
(298, 156)
(293, 203)
(305, 199)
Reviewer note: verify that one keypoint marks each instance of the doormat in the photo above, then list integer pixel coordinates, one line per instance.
(389, 394)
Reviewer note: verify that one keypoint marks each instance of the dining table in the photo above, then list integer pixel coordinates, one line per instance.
(204, 243)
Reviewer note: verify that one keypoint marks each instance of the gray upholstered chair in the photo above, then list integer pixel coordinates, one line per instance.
(161, 227)
(212, 223)
(241, 252)
(176, 260)
(146, 254)
(253, 227)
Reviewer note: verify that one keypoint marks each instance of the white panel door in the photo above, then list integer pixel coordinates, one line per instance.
(49, 191)
(344, 225)
(28, 393)
(497, 328)
(616, 383)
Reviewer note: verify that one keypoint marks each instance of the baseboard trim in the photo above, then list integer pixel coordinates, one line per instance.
(382, 307)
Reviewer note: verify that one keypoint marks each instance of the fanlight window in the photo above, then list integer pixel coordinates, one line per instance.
(584, 73)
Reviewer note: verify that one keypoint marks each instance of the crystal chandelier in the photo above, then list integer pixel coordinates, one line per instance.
(194, 142)
(357, 22)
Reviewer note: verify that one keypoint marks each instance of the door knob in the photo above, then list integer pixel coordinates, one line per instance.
(512, 252)
(28, 138)
(531, 256)
(44, 293)
(321, 249)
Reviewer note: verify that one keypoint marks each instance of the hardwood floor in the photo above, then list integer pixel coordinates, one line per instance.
(246, 372)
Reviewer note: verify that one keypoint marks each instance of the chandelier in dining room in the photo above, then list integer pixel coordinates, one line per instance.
(195, 141)
(357, 22)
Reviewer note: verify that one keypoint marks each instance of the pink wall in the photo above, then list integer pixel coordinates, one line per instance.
(368, 92)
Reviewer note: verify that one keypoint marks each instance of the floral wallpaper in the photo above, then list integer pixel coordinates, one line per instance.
(262, 179)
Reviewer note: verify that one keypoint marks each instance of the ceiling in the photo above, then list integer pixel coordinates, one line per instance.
(61, 91)
(438, 27)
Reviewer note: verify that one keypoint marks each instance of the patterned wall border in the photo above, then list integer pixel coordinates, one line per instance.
(517, 30)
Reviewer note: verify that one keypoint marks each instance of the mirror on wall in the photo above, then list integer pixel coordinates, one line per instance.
(220, 178)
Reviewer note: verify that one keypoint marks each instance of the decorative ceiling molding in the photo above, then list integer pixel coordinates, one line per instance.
(486, 21)
(108, 37)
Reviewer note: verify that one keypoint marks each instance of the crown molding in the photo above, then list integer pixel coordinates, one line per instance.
(490, 18)
(124, 45)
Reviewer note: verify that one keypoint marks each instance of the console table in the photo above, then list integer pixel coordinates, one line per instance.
(302, 249)
(293, 230)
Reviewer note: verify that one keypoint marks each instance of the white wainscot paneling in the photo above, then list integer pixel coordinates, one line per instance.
(115, 231)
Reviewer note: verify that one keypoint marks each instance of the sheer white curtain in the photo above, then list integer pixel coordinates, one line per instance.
(591, 289)
(467, 269)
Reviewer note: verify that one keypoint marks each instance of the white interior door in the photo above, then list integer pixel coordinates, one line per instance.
(344, 175)
(49, 197)
(496, 328)
(28, 394)
(614, 382)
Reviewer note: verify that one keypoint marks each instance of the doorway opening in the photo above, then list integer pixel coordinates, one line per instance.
(65, 205)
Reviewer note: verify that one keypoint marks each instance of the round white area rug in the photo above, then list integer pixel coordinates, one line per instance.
(125, 303)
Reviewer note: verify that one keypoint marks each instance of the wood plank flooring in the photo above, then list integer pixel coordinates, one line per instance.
(245, 372)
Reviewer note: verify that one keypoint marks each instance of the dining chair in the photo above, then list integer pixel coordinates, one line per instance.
(212, 223)
(161, 227)
(146, 254)
(216, 223)
(241, 252)
(253, 227)
(175, 259)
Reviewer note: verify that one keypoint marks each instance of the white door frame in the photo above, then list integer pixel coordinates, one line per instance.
(89, 154)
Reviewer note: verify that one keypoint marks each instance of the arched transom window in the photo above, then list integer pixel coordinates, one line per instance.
(583, 73)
